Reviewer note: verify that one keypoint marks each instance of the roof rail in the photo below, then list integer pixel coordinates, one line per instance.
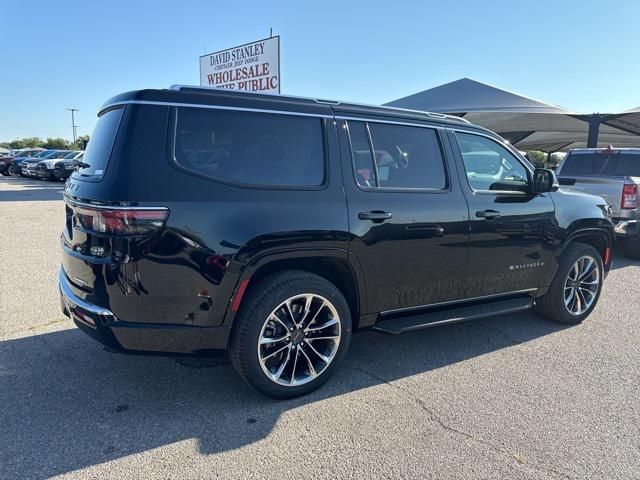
(179, 87)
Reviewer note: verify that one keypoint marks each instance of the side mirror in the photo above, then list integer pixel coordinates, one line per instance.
(544, 180)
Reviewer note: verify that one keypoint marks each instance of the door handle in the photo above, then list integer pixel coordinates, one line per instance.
(376, 216)
(488, 214)
(435, 230)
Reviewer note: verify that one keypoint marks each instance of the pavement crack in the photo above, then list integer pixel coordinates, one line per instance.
(55, 321)
(433, 417)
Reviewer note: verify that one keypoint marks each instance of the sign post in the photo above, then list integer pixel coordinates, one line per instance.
(253, 67)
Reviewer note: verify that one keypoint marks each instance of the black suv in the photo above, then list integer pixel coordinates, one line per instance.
(273, 226)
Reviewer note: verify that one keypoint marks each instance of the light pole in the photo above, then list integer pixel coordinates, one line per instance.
(73, 123)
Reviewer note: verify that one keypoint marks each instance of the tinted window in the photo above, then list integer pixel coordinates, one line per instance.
(250, 148)
(490, 166)
(623, 164)
(619, 164)
(99, 147)
(580, 164)
(405, 157)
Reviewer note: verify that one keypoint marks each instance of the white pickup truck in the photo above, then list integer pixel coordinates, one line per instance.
(613, 174)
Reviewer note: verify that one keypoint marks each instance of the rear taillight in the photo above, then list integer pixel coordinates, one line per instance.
(629, 196)
(124, 221)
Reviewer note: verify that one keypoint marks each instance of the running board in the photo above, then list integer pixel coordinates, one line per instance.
(453, 314)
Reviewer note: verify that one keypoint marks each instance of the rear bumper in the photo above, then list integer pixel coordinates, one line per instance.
(624, 228)
(102, 325)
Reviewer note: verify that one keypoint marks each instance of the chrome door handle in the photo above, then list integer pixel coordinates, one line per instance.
(376, 216)
(488, 214)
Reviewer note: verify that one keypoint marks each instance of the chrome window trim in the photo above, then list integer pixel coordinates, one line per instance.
(453, 302)
(389, 122)
(212, 107)
(455, 118)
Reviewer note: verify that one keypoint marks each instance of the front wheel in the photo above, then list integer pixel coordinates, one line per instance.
(292, 331)
(576, 287)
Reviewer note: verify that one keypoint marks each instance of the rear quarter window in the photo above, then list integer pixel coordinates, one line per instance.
(96, 156)
(247, 148)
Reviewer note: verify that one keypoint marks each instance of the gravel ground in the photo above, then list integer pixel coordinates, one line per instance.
(514, 396)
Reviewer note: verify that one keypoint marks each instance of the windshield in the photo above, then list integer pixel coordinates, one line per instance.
(60, 154)
(71, 155)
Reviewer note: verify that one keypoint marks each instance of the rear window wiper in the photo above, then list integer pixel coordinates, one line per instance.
(82, 164)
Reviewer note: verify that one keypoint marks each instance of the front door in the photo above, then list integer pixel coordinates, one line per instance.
(512, 231)
(408, 217)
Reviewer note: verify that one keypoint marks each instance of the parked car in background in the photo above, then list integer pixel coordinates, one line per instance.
(14, 167)
(63, 169)
(271, 226)
(29, 167)
(613, 174)
(46, 169)
(7, 160)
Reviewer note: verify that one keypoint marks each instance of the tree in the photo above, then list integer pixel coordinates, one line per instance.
(81, 143)
(56, 144)
(537, 157)
(28, 142)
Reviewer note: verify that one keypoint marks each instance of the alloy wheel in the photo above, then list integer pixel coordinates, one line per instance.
(582, 285)
(299, 339)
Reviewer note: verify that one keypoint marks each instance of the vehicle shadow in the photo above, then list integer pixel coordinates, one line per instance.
(28, 190)
(68, 403)
(620, 261)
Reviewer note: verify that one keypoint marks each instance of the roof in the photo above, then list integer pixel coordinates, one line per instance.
(184, 95)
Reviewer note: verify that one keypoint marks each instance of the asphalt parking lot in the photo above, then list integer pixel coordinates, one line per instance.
(514, 396)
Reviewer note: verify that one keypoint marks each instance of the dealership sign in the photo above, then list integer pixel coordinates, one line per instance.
(254, 67)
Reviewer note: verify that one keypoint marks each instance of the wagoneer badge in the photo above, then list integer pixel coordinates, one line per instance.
(526, 265)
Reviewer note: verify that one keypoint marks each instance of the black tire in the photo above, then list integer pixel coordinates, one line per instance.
(260, 301)
(6, 173)
(632, 248)
(14, 172)
(552, 304)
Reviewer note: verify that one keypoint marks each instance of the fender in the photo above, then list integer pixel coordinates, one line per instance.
(603, 230)
(262, 260)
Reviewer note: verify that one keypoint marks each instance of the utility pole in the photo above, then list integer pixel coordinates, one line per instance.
(73, 123)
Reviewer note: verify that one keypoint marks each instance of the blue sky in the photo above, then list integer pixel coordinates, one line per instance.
(582, 55)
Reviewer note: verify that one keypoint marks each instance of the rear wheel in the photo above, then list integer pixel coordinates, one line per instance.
(292, 331)
(14, 171)
(576, 287)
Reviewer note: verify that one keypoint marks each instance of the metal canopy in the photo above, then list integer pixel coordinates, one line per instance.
(527, 123)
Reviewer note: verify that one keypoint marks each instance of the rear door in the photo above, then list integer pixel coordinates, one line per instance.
(408, 218)
(513, 232)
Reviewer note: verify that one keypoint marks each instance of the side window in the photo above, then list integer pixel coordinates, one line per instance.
(250, 148)
(490, 166)
(403, 157)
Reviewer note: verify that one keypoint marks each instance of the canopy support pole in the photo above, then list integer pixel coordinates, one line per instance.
(594, 130)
